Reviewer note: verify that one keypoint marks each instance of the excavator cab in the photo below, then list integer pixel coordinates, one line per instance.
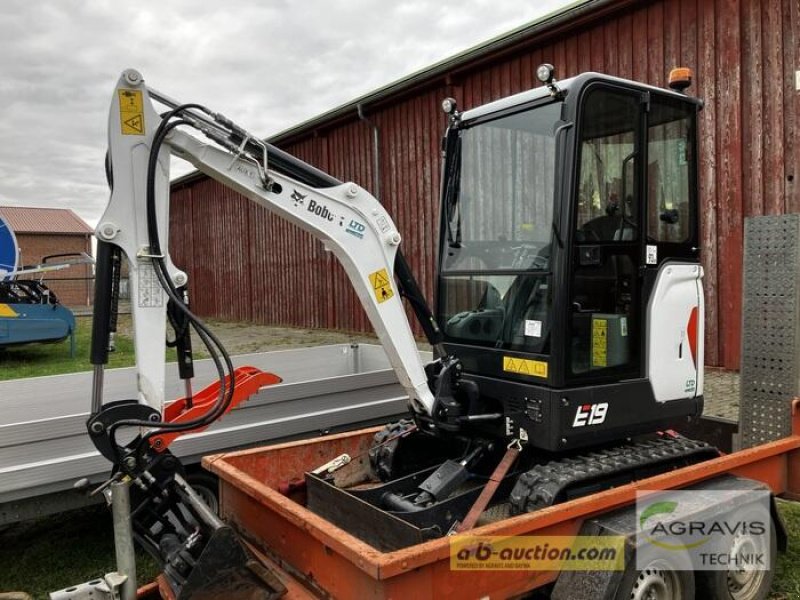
(569, 277)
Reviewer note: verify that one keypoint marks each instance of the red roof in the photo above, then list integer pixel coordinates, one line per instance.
(24, 219)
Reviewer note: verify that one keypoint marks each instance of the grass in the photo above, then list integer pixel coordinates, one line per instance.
(35, 360)
(61, 551)
(75, 547)
(787, 574)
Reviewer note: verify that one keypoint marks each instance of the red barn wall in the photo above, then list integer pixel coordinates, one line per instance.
(72, 286)
(247, 265)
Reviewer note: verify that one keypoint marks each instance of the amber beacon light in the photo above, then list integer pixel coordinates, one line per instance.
(680, 78)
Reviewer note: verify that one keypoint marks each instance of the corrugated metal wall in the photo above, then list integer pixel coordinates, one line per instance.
(247, 265)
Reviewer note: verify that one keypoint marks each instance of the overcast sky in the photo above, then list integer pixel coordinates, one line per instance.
(267, 64)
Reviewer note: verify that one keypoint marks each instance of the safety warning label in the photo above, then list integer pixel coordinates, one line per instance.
(524, 366)
(381, 285)
(131, 112)
(151, 294)
(599, 343)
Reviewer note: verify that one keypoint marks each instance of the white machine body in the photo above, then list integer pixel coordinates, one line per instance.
(675, 325)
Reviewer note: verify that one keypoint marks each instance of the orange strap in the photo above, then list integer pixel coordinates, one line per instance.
(490, 488)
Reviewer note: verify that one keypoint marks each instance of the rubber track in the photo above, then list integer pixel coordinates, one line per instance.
(546, 484)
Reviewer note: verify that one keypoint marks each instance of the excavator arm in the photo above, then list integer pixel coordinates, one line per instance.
(348, 220)
(200, 555)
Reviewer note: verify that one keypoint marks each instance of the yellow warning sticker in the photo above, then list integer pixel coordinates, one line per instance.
(381, 285)
(524, 366)
(599, 343)
(7, 311)
(131, 112)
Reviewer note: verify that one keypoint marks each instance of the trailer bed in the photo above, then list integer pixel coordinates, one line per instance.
(331, 562)
(44, 447)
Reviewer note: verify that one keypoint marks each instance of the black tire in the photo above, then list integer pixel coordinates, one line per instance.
(665, 575)
(207, 487)
(742, 584)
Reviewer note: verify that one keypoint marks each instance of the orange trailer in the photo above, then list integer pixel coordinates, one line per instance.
(315, 558)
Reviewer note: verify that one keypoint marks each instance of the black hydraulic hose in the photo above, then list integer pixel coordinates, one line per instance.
(410, 289)
(207, 337)
(226, 391)
(286, 164)
(226, 395)
(103, 302)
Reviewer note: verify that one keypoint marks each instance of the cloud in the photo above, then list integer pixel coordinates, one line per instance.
(268, 65)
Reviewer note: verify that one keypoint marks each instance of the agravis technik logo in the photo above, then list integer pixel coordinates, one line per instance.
(704, 530)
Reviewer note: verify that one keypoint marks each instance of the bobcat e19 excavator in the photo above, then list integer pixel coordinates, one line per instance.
(569, 313)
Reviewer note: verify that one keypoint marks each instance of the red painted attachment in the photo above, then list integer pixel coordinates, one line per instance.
(149, 591)
(691, 331)
(248, 381)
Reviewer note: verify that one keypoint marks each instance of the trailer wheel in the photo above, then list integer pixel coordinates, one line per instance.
(742, 583)
(664, 577)
(207, 487)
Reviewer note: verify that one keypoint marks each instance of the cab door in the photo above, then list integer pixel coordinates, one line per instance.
(672, 273)
(604, 342)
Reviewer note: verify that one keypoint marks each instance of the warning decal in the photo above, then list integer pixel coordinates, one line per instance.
(381, 285)
(131, 112)
(599, 343)
(523, 366)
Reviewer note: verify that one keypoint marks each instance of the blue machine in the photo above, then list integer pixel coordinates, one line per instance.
(29, 311)
(9, 253)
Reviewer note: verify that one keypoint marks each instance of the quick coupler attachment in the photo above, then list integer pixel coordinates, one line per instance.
(201, 556)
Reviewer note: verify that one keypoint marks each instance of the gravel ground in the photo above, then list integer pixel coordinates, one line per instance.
(721, 387)
(721, 391)
(243, 338)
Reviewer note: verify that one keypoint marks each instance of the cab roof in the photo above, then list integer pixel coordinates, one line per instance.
(567, 87)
